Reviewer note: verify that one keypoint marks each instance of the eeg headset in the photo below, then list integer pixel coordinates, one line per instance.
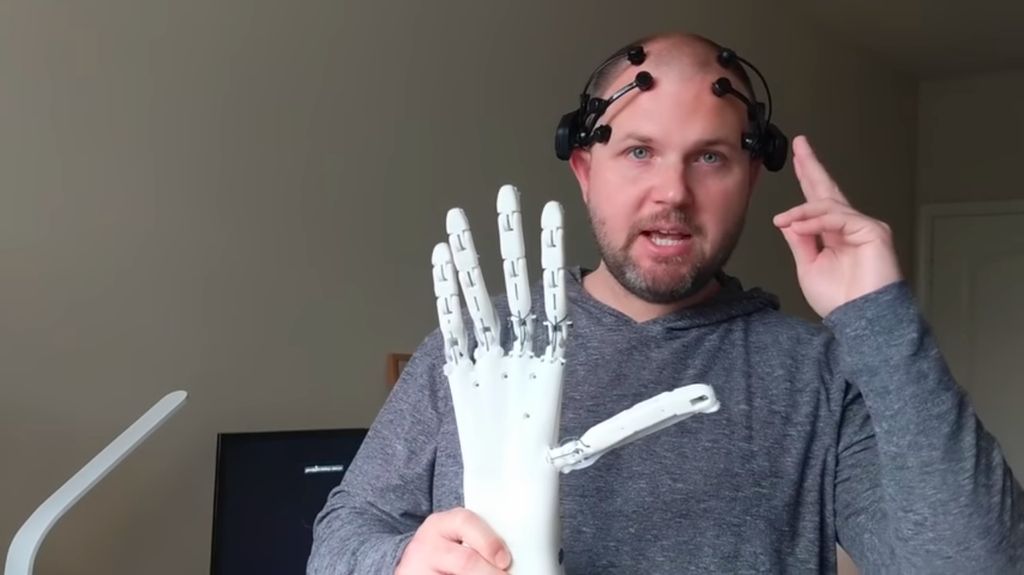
(579, 129)
(763, 139)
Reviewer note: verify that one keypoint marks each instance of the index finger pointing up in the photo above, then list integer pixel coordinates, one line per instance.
(815, 181)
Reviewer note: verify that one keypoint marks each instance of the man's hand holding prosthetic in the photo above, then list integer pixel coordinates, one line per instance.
(507, 395)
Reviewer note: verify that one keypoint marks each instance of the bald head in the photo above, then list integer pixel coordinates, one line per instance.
(677, 54)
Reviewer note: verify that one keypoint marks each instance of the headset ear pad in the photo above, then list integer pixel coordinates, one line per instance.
(566, 134)
(774, 148)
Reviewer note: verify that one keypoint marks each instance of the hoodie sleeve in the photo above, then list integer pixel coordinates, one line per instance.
(921, 485)
(387, 492)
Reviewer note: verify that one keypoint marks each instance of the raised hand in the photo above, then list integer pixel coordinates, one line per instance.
(506, 402)
(840, 253)
(507, 399)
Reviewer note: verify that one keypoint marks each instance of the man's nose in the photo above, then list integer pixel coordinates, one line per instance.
(673, 186)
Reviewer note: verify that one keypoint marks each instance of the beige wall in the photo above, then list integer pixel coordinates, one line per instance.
(970, 138)
(239, 199)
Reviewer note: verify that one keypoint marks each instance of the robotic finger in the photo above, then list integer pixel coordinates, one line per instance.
(642, 419)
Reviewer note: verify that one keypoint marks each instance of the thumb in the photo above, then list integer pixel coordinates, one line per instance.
(466, 527)
(804, 247)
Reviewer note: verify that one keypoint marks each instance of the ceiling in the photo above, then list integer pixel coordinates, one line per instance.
(929, 38)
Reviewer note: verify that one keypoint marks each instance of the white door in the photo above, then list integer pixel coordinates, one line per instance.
(971, 283)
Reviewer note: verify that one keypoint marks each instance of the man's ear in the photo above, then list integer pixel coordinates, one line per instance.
(755, 173)
(579, 161)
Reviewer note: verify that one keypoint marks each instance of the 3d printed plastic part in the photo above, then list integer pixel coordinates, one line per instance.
(507, 403)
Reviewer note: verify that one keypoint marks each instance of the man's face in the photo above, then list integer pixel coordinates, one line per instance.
(668, 193)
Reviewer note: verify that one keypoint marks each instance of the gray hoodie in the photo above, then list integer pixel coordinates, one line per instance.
(852, 431)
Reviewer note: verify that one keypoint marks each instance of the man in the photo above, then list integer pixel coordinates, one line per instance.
(851, 431)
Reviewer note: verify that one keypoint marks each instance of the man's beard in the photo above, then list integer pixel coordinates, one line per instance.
(668, 280)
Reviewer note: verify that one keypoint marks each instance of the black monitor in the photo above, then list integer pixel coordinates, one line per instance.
(269, 488)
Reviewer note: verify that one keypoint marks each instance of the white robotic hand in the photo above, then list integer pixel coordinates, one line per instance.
(507, 403)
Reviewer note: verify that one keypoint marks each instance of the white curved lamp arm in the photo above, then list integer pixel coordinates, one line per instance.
(22, 553)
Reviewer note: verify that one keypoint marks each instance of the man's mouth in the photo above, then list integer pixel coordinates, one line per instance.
(666, 237)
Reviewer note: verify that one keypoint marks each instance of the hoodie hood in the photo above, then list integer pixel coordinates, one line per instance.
(731, 301)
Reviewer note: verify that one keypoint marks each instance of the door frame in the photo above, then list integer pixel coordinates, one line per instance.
(928, 214)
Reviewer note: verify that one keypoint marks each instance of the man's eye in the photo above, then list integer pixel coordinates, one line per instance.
(639, 153)
(710, 157)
